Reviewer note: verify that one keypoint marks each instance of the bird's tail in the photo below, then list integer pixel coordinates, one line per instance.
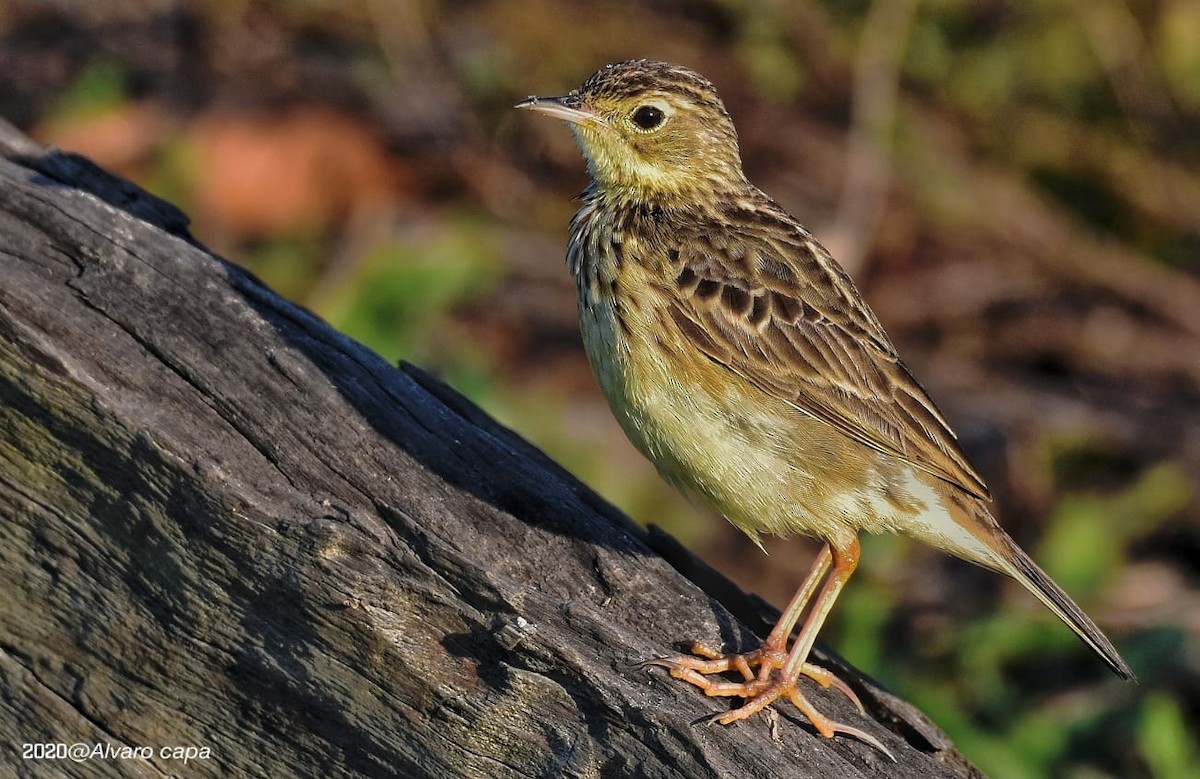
(1021, 567)
(986, 543)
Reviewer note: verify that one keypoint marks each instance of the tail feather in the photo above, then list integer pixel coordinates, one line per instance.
(967, 529)
(1022, 568)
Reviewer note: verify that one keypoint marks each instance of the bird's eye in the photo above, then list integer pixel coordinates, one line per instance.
(649, 117)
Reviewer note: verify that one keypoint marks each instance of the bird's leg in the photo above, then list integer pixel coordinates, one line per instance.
(771, 655)
(844, 561)
(777, 638)
(779, 670)
(759, 668)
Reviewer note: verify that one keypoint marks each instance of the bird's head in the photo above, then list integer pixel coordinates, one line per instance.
(650, 131)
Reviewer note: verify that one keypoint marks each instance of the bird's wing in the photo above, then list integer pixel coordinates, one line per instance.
(766, 301)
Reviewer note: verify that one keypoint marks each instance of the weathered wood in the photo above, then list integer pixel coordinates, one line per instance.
(226, 525)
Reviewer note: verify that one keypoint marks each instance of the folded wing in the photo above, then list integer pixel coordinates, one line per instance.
(768, 303)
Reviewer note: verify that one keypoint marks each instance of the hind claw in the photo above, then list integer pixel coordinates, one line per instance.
(762, 688)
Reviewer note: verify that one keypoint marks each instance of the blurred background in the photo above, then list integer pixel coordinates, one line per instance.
(1015, 186)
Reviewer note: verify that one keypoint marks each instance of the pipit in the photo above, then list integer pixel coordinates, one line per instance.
(742, 360)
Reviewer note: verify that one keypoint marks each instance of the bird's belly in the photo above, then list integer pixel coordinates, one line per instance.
(766, 466)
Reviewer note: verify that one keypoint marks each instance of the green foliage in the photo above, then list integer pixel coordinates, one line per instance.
(766, 51)
(398, 296)
(1087, 195)
(1087, 534)
(288, 264)
(97, 89)
(1178, 50)
(1165, 740)
(176, 173)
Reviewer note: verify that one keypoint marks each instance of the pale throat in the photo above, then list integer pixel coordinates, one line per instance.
(626, 177)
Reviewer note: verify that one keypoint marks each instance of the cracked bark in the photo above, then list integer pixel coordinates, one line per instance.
(226, 525)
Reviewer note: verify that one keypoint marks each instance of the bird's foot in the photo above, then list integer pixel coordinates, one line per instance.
(767, 659)
(827, 727)
(761, 685)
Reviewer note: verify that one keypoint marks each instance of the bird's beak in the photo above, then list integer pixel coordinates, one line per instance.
(567, 107)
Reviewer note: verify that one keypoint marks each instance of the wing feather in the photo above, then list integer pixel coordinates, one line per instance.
(821, 350)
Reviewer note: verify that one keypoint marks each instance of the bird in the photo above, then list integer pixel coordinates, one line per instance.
(742, 360)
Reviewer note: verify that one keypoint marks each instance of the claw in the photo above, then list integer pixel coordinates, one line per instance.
(828, 728)
(827, 679)
(762, 689)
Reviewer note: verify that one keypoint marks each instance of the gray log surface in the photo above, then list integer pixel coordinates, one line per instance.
(226, 525)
